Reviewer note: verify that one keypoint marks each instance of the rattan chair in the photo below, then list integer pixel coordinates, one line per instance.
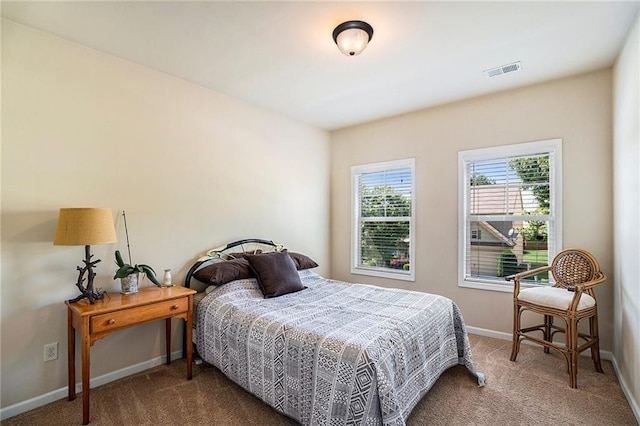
(570, 299)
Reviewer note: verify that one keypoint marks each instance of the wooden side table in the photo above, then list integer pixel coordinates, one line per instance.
(117, 311)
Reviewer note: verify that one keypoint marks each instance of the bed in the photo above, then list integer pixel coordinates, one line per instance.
(323, 352)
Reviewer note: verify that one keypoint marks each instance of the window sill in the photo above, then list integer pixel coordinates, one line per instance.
(504, 288)
(383, 274)
(479, 285)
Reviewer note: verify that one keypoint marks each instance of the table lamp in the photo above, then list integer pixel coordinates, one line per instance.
(85, 227)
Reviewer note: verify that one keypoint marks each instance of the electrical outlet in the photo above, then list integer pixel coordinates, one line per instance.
(51, 351)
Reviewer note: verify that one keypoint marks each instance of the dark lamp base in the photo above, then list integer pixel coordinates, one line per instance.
(92, 296)
(87, 291)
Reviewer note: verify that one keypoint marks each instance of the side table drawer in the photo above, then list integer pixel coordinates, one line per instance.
(137, 315)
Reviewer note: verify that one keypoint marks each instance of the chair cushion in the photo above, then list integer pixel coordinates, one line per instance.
(554, 297)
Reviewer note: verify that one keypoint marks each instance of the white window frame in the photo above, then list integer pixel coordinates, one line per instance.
(398, 274)
(554, 148)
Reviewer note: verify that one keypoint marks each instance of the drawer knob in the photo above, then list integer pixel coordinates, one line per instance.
(174, 307)
(111, 321)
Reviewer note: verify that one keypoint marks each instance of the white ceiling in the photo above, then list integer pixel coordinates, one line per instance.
(280, 55)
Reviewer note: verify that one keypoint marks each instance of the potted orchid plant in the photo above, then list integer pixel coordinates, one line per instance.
(129, 274)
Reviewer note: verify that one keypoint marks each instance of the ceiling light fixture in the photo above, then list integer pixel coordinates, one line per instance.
(352, 37)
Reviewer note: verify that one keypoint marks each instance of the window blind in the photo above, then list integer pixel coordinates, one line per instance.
(509, 215)
(383, 200)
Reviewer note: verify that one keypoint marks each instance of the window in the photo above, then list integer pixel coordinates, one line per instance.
(383, 219)
(509, 212)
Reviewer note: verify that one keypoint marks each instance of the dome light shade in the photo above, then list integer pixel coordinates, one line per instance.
(352, 37)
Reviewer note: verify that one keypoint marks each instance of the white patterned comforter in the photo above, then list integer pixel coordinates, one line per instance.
(333, 353)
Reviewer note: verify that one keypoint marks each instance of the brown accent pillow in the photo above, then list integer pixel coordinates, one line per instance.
(276, 273)
(302, 261)
(223, 272)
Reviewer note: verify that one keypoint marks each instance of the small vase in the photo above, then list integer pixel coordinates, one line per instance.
(129, 284)
(166, 280)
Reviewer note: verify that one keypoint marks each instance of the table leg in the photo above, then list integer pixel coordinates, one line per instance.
(189, 333)
(71, 355)
(86, 370)
(167, 339)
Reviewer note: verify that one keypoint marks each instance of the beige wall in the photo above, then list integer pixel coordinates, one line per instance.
(626, 206)
(576, 109)
(191, 167)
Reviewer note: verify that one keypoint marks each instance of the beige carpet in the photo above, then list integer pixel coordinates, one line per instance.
(533, 391)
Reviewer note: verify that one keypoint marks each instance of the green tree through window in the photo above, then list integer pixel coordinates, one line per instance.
(480, 179)
(384, 243)
(534, 173)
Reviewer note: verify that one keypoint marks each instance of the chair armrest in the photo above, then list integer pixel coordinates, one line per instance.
(521, 275)
(580, 288)
(598, 279)
(517, 277)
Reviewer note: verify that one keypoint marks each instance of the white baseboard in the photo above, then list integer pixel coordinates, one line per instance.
(508, 336)
(488, 333)
(39, 401)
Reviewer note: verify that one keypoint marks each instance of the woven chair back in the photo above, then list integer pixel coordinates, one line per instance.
(573, 266)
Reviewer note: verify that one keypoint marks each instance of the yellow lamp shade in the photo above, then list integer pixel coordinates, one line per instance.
(84, 227)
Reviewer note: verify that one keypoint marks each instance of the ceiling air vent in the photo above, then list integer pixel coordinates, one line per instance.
(493, 72)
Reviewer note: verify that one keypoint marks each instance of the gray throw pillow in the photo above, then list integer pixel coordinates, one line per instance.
(276, 273)
(223, 272)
